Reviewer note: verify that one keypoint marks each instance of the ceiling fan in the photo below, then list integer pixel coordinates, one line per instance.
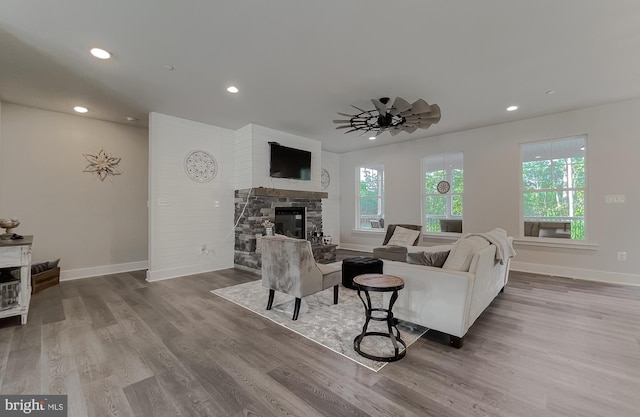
(402, 116)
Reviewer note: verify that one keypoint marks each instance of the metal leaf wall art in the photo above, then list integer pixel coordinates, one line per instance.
(102, 164)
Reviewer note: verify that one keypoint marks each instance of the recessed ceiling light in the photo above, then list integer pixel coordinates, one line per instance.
(232, 89)
(512, 108)
(582, 149)
(538, 157)
(131, 119)
(550, 92)
(81, 109)
(100, 53)
(372, 138)
(168, 67)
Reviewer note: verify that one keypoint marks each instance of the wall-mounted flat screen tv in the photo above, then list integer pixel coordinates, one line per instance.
(289, 162)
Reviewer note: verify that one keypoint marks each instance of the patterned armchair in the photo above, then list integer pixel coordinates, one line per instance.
(288, 266)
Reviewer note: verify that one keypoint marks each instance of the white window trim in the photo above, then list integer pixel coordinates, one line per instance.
(357, 194)
(556, 242)
(448, 200)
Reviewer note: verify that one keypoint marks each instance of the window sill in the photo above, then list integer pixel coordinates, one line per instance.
(374, 232)
(441, 235)
(555, 243)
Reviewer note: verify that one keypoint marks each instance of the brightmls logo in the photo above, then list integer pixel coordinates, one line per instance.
(36, 405)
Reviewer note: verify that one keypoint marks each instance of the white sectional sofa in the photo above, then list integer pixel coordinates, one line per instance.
(451, 298)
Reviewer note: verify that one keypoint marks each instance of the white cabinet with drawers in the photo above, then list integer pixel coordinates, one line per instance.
(15, 255)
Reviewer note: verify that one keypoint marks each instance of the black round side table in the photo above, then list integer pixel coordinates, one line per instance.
(380, 283)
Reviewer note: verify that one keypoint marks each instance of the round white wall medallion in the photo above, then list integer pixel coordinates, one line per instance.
(325, 179)
(200, 166)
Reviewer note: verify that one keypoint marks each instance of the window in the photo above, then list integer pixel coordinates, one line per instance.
(443, 212)
(554, 188)
(370, 201)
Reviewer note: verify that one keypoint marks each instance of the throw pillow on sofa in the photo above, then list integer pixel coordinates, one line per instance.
(436, 259)
(403, 237)
(462, 253)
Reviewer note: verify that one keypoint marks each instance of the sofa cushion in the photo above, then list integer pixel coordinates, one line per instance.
(403, 237)
(39, 267)
(53, 264)
(436, 259)
(462, 253)
(391, 253)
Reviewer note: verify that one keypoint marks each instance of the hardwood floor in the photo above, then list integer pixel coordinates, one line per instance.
(119, 346)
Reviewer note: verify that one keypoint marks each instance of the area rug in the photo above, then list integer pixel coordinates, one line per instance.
(333, 326)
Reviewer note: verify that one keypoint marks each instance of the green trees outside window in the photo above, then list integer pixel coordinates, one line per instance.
(436, 168)
(371, 196)
(554, 185)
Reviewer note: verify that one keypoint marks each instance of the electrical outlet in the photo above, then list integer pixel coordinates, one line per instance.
(622, 256)
(615, 199)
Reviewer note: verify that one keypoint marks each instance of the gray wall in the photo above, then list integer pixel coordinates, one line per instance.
(96, 227)
(492, 188)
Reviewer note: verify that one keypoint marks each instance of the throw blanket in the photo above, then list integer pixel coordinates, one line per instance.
(497, 237)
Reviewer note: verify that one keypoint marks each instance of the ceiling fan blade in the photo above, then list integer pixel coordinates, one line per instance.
(343, 127)
(423, 125)
(345, 114)
(359, 109)
(409, 128)
(395, 130)
(399, 105)
(352, 130)
(380, 132)
(420, 106)
(435, 110)
(366, 131)
(342, 121)
(382, 109)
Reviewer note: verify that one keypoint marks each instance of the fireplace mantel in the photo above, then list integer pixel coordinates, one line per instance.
(277, 192)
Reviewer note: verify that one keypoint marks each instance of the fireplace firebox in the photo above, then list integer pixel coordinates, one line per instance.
(291, 221)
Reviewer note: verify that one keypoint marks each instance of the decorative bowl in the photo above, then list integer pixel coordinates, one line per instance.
(8, 225)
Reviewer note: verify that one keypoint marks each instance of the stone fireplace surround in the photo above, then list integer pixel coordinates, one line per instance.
(261, 207)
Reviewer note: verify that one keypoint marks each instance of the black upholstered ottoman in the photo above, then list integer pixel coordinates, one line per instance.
(352, 267)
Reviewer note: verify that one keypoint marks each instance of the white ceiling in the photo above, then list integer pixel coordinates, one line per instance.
(297, 63)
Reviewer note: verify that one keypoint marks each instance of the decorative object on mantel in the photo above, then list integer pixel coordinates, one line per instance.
(102, 164)
(200, 166)
(268, 227)
(8, 225)
(325, 179)
(400, 117)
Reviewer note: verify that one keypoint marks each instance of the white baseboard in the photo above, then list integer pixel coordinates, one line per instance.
(577, 273)
(162, 274)
(70, 274)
